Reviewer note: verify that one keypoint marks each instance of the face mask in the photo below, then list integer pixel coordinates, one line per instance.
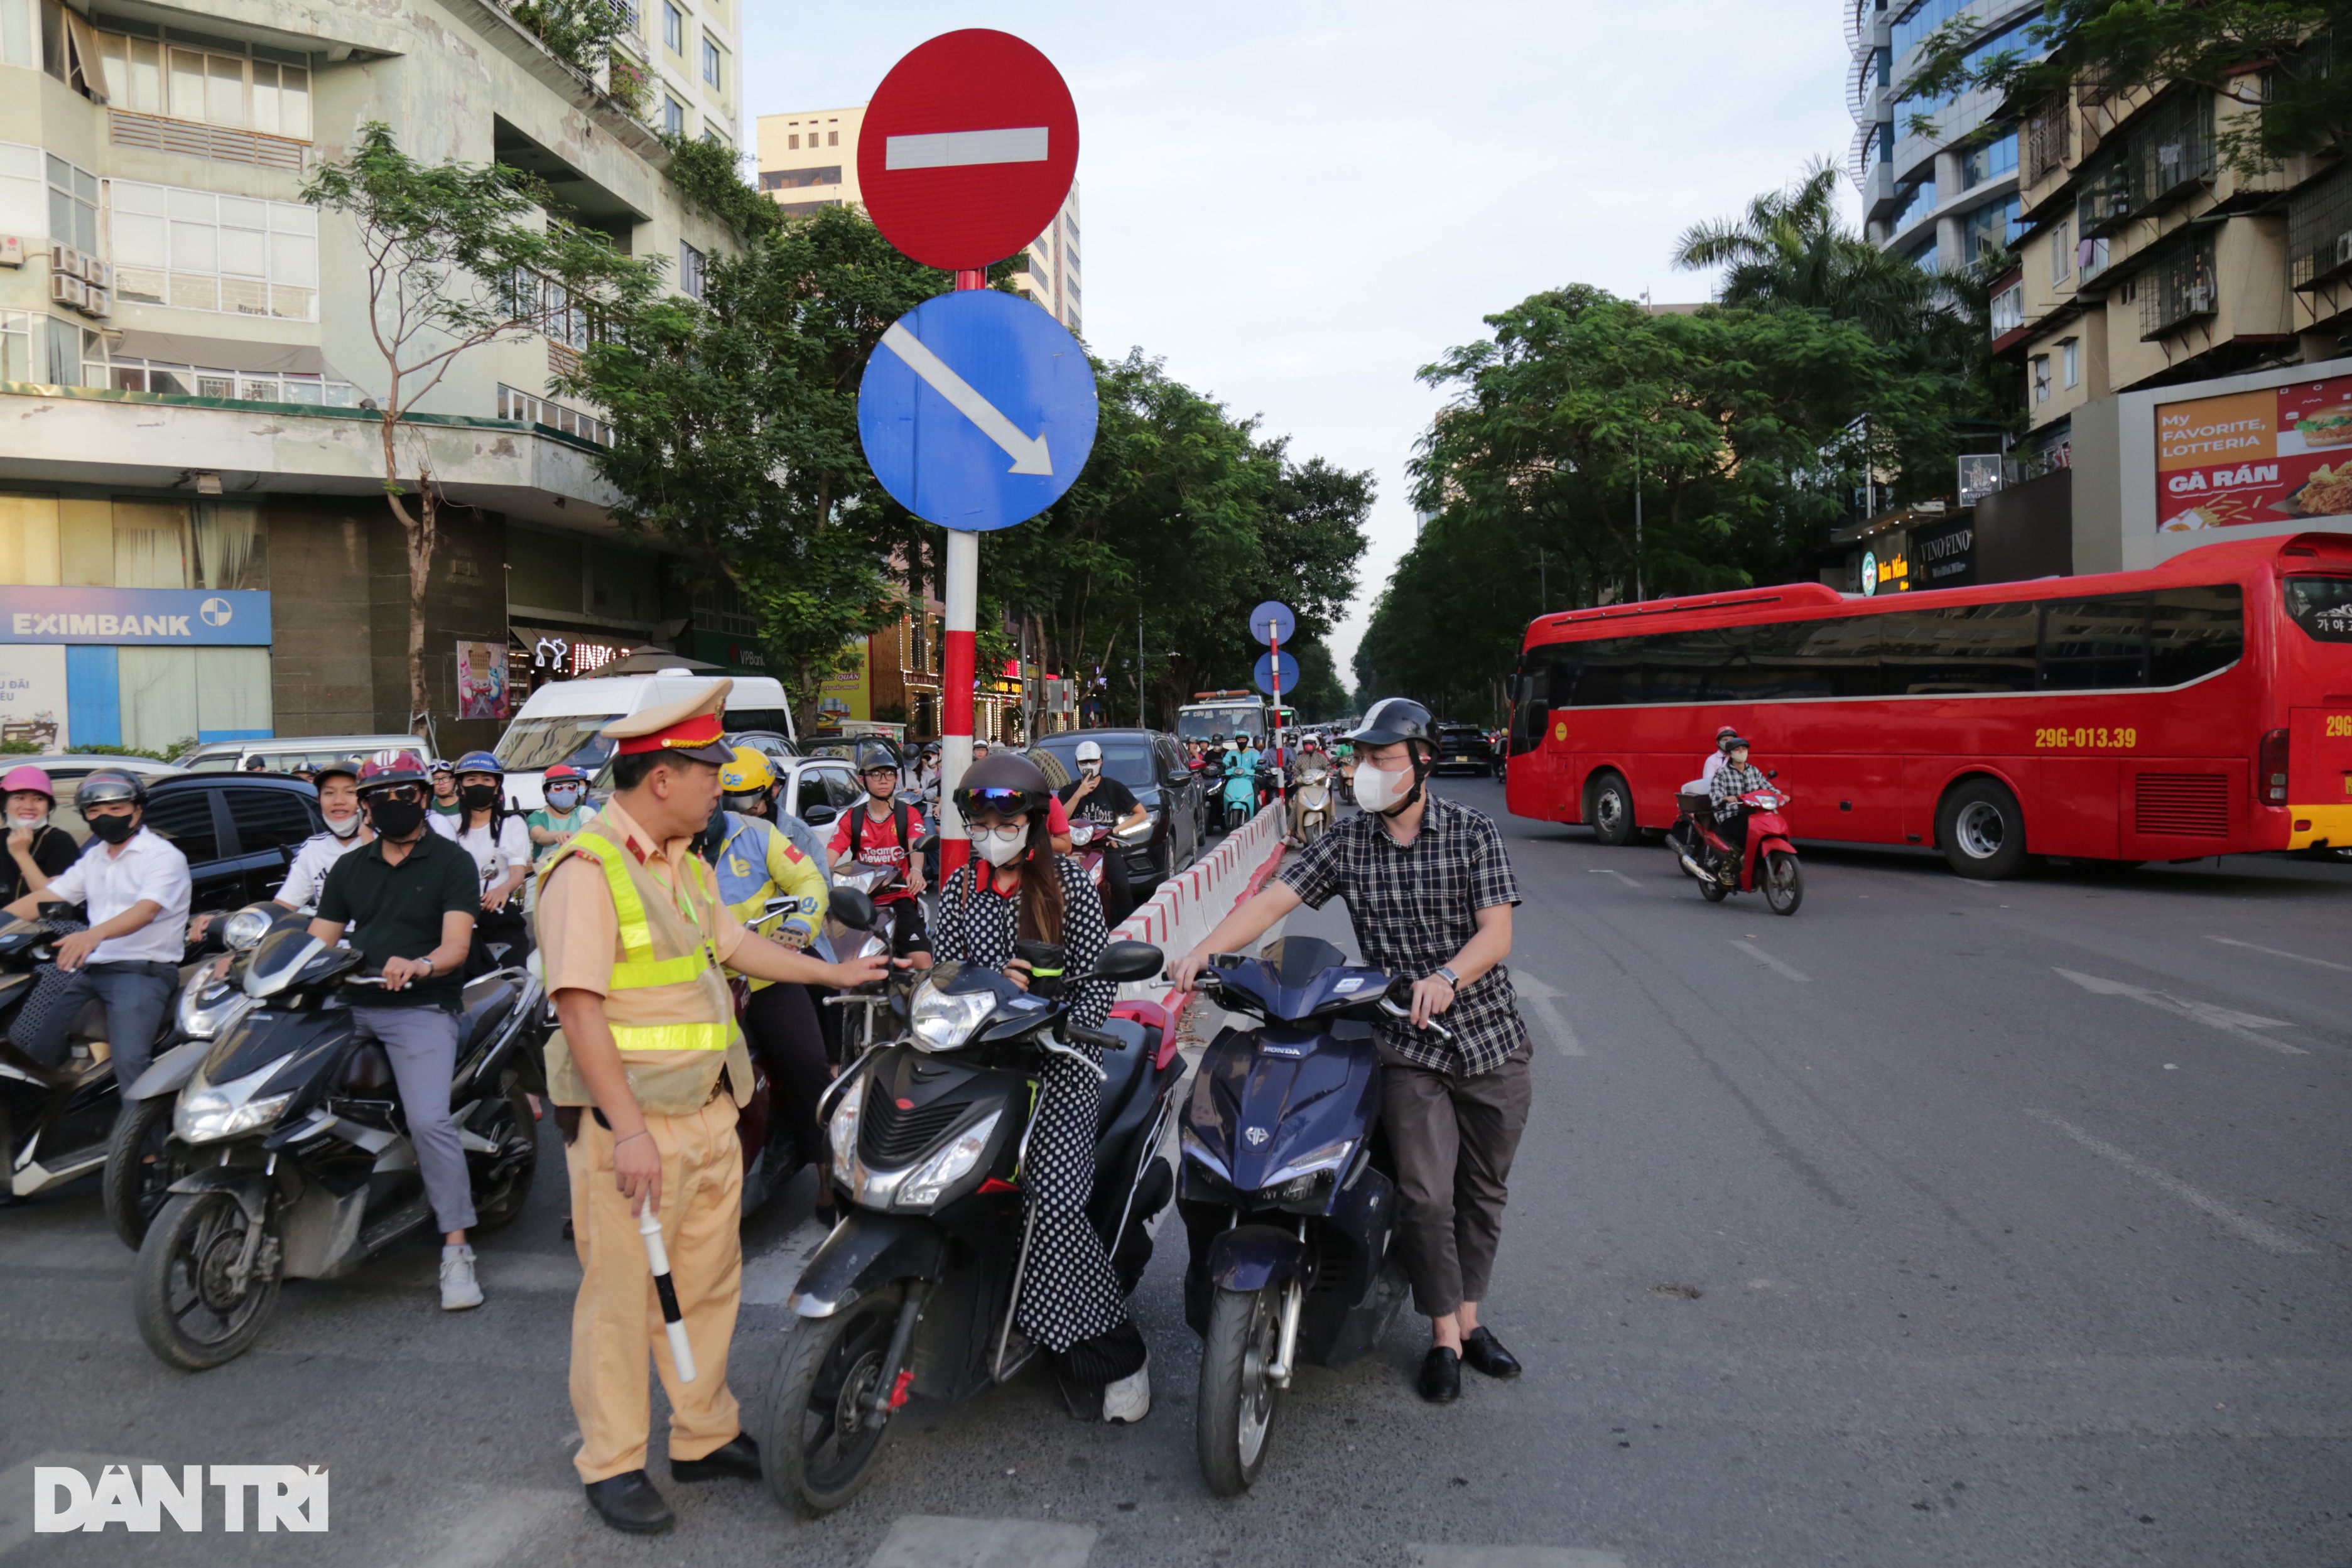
(37, 818)
(563, 799)
(1378, 791)
(396, 818)
(475, 797)
(1001, 846)
(344, 828)
(1090, 768)
(113, 829)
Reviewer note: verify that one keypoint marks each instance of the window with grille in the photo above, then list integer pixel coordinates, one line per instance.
(2319, 230)
(2178, 289)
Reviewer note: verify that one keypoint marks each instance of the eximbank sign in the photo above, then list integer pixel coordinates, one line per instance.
(187, 617)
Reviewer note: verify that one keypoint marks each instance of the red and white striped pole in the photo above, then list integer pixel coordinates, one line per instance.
(959, 669)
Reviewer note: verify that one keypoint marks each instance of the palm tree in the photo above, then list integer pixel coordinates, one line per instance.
(1791, 250)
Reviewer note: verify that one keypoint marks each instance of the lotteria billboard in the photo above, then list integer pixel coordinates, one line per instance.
(188, 617)
(2273, 454)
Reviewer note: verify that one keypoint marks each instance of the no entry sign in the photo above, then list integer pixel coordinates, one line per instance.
(968, 147)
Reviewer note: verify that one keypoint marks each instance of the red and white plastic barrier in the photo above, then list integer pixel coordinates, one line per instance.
(1189, 905)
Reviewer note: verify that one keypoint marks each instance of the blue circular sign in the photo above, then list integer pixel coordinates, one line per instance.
(1272, 621)
(1265, 672)
(977, 410)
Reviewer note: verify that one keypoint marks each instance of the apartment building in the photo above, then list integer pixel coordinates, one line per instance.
(685, 52)
(193, 539)
(808, 159)
(1938, 176)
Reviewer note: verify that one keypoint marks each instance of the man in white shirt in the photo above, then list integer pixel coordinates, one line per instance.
(347, 829)
(134, 886)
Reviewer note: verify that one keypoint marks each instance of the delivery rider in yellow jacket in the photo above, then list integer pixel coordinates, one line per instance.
(646, 1072)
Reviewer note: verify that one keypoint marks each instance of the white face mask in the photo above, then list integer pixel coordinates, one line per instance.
(1378, 789)
(343, 827)
(1001, 846)
(25, 820)
(1089, 768)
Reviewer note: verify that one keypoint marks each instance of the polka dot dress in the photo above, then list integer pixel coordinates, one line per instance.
(1069, 1292)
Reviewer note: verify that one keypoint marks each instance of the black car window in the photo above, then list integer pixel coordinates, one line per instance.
(841, 787)
(809, 792)
(187, 819)
(266, 819)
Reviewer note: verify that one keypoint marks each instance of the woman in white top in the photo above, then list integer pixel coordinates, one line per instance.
(500, 841)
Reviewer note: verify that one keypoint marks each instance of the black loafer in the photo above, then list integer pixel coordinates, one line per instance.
(1484, 1353)
(1441, 1375)
(737, 1456)
(628, 1503)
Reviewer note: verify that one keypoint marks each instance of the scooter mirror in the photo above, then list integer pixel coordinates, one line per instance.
(1124, 961)
(1772, 773)
(851, 908)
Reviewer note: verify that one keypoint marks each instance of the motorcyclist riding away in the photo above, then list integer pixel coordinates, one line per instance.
(1736, 778)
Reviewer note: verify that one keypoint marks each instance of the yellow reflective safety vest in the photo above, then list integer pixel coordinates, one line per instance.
(671, 1011)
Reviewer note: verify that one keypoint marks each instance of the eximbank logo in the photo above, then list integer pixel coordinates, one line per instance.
(187, 616)
(283, 1496)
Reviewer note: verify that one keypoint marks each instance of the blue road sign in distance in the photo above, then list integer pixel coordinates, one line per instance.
(1272, 621)
(977, 410)
(1265, 662)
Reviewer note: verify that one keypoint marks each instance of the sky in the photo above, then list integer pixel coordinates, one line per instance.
(1299, 204)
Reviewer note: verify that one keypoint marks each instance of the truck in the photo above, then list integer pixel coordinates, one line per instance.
(1211, 714)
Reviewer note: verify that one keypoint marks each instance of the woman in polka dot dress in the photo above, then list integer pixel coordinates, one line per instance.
(1017, 888)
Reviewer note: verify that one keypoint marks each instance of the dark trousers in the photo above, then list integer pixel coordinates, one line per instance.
(136, 996)
(782, 1021)
(1454, 1139)
(1118, 885)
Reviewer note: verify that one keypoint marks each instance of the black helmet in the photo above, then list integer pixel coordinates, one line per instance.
(107, 786)
(1004, 782)
(1731, 743)
(1393, 720)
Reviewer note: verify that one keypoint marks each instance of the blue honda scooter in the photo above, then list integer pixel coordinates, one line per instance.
(1287, 1194)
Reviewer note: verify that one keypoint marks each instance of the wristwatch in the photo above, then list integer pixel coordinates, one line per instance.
(1445, 973)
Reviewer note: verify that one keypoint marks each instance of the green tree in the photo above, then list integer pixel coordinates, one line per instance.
(735, 421)
(2281, 60)
(458, 256)
(1790, 249)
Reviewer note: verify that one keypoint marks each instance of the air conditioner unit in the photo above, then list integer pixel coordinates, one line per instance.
(96, 272)
(2344, 247)
(12, 250)
(97, 301)
(66, 290)
(65, 260)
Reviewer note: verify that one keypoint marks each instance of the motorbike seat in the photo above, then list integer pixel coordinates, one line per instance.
(485, 1003)
(1125, 1066)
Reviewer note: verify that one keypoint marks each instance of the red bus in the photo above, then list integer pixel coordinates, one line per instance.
(2201, 707)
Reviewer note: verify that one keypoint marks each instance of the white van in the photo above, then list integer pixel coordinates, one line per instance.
(560, 721)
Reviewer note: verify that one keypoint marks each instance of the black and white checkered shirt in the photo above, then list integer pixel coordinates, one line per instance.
(1414, 908)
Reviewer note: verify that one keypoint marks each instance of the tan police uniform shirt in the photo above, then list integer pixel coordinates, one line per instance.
(578, 929)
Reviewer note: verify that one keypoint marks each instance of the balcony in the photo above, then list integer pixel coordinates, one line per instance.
(2043, 145)
(2104, 204)
(2178, 289)
(2319, 232)
(2170, 150)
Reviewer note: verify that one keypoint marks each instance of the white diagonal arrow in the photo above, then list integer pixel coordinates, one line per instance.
(2229, 1020)
(1028, 457)
(1546, 1002)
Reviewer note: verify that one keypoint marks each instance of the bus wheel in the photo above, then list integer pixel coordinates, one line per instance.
(1608, 807)
(1982, 830)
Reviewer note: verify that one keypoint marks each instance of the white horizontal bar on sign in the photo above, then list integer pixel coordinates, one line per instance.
(958, 149)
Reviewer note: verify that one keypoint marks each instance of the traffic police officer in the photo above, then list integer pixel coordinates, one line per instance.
(646, 1070)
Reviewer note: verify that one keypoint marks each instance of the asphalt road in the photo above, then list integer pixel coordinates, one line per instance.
(1944, 1223)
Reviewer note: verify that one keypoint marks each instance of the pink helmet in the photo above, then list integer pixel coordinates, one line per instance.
(28, 777)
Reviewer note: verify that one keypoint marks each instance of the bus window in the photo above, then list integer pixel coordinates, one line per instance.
(2321, 606)
(2195, 631)
(2092, 644)
(1958, 649)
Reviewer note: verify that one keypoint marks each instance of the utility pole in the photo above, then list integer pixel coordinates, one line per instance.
(1638, 593)
(1543, 582)
(1140, 722)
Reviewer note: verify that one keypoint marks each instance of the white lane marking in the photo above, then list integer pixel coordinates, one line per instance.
(1421, 1555)
(1609, 870)
(2229, 1020)
(2268, 1238)
(1770, 962)
(961, 149)
(936, 1540)
(504, 1523)
(770, 1278)
(1029, 455)
(2280, 953)
(1545, 1000)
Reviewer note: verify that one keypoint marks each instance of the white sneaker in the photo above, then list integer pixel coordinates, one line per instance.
(458, 1287)
(1129, 1400)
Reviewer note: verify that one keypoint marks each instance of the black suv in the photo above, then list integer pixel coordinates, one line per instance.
(1463, 747)
(1150, 764)
(239, 830)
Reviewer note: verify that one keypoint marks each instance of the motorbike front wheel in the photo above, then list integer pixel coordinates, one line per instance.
(821, 1443)
(1784, 884)
(193, 1313)
(1234, 1416)
(139, 1173)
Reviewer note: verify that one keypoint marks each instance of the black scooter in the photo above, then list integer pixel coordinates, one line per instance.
(296, 1152)
(1288, 1195)
(914, 1290)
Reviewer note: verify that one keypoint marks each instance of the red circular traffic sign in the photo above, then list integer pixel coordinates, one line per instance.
(968, 149)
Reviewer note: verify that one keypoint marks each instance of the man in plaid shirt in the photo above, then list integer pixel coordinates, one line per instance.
(1429, 890)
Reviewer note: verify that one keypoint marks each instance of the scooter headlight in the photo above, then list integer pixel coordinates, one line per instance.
(1305, 1183)
(924, 1184)
(841, 1132)
(943, 1021)
(208, 1112)
(209, 1008)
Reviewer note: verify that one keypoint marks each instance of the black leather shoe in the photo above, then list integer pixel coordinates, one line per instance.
(628, 1503)
(1486, 1354)
(737, 1456)
(1441, 1375)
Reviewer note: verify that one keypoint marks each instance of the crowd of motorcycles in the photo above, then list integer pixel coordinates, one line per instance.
(266, 1143)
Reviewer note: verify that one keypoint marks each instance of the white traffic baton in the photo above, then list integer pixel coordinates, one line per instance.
(680, 1352)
